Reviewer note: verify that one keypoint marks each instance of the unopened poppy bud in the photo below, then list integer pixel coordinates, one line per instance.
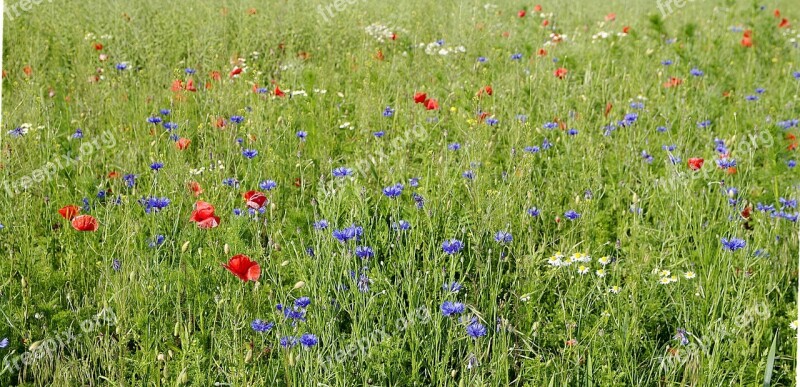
(299, 285)
(226, 249)
(185, 246)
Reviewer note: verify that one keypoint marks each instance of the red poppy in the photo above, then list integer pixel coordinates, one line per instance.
(695, 163)
(69, 212)
(541, 52)
(545, 23)
(215, 75)
(220, 123)
(420, 97)
(609, 106)
(394, 36)
(98, 46)
(113, 175)
(777, 13)
(505, 34)
(195, 188)
(244, 268)
(747, 38)
(236, 71)
(203, 215)
(27, 70)
(611, 16)
(521, 13)
(626, 29)
(672, 82)
(182, 143)
(746, 212)
(537, 8)
(278, 92)
(379, 55)
(784, 23)
(252, 11)
(84, 223)
(560, 73)
(482, 116)
(298, 182)
(255, 199)
(190, 85)
(431, 104)
(177, 85)
(486, 89)
(731, 171)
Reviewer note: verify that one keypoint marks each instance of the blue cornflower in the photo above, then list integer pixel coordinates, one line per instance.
(154, 204)
(503, 237)
(154, 120)
(468, 175)
(348, 233)
(419, 201)
(791, 163)
(449, 308)
(454, 146)
(760, 90)
(393, 191)
(476, 329)
(18, 132)
(681, 335)
(122, 66)
(237, 119)
(637, 105)
(363, 282)
(788, 124)
(572, 215)
(130, 180)
(379, 134)
(310, 251)
(482, 59)
(388, 112)
(546, 144)
(237, 211)
(321, 224)
(572, 132)
(733, 244)
(302, 302)
(669, 148)
(4, 342)
(249, 153)
(364, 252)
(342, 172)
(116, 264)
(726, 163)
(156, 166)
(765, 207)
(86, 207)
(790, 203)
(231, 182)
(661, 129)
(190, 71)
(267, 185)
(522, 118)
(414, 181)
(550, 125)
(302, 135)
(401, 225)
(751, 98)
(452, 246)
(796, 74)
(78, 133)
(647, 157)
(630, 118)
(453, 287)
(704, 124)
(531, 149)
(308, 340)
(674, 159)
(666, 62)
(261, 326)
(516, 56)
(696, 72)
(164, 112)
(157, 241)
(533, 211)
(288, 341)
(170, 126)
(492, 121)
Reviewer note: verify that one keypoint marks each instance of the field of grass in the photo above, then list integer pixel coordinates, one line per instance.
(408, 193)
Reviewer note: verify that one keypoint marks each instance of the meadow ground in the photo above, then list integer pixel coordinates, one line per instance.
(312, 193)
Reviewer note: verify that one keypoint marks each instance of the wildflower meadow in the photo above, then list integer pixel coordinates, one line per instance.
(408, 193)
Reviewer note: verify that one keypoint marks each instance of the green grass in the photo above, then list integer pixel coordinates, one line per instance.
(180, 318)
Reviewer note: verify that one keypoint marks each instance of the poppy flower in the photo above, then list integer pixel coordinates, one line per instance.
(545, 23)
(777, 13)
(215, 75)
(278, 92)
(252, 11)
(537, 8)
(203, 215)
(379, 55)
(220, 123)
(486, 89)
(177, 85)
(626, 29)
(113, 175)
(235, 72)
(672, 82)
(420, 97)
(298, 182)
(394, 36)
(195, 188)
(182, 143)
(541, 52)
(747, 38)
(244, 268)
(611, 17)
(431, 104)
(27, 70)
(69, 212)
(560, 73)
(746, 212)
(695, 163)
(521, 13)
(784, 23)
(84, 223)
(255, 199)
(609, 106)
(98, 46)
(190, 85)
